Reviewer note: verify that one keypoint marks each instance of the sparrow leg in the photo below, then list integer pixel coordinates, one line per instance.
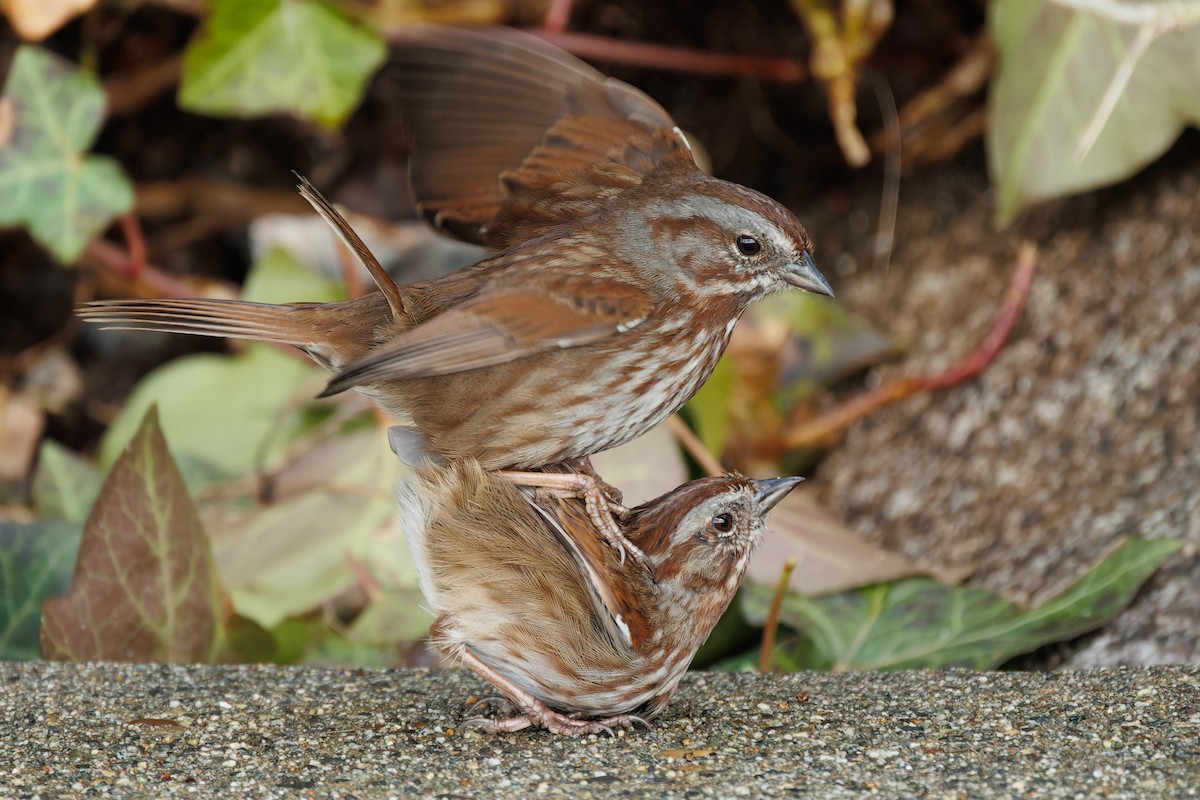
(599, 507)
(535, 711)
(584, 467)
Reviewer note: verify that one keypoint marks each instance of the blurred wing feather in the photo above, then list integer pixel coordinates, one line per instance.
(485, 103)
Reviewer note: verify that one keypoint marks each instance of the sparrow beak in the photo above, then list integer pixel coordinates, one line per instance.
(805, 275)
(770, 492)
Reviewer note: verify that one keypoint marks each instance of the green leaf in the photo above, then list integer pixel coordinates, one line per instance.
(256, 57)
(144, 587)
(281, 277)
(334, 503)
(394, 618)
(224, 411)
(230, 413)
(708, 409)
(918, 623)
(49, 114)
(65, 485)
(1055, 67)
(36, 560)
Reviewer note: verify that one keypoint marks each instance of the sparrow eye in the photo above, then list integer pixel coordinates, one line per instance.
(747, 245)
(722, 523)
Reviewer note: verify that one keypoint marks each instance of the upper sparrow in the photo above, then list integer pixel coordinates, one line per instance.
(615, 275)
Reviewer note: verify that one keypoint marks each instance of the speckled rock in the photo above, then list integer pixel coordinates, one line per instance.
(1085, 429)
(135, 731)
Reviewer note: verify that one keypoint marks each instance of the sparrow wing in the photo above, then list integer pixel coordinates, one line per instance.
(496, 114)
(616, 589)
(503, 323)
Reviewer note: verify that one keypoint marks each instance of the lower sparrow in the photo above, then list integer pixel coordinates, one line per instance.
(528, 596)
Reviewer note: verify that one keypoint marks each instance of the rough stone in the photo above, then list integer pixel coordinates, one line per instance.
(135, 731)
(1084, 430)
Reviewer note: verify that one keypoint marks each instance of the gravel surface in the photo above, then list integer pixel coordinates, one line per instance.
(234, 732)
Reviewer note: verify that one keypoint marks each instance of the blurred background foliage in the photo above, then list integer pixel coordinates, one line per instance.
(168, 498)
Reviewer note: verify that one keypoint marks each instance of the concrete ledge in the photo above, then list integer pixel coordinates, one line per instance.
(233, 732)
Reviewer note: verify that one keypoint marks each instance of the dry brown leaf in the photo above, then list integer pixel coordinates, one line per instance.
(645, 468)
(21, 422)
(829, 556)
(34, 20)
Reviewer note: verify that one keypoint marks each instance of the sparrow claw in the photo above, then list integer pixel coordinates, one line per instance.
(495, 726)
(498, 702)
(600, 511)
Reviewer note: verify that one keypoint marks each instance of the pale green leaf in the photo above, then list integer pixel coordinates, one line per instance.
(65, 485)
(51, 112)
(256, 57)
(1055, 66)
(335, 503)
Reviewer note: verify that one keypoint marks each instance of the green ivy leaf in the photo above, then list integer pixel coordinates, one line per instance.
(229, 413)
(65, 485)
(256, 57)
(1055, 66)
(918, 623)
(333, 503)
(144, 586)
(49, 114)
(36, 560)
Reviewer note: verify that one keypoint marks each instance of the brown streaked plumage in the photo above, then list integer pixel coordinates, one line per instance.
(616, 269)
(527, 595)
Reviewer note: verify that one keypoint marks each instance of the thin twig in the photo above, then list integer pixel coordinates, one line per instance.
(694, 447)
(363, 577)
(889, 202)
(771, 625)
(677, 59)
(131, 229)
(828, 426)
(558, 15)
(128, 92)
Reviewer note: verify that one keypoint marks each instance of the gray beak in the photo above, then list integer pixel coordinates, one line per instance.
(805, 275)
(770, 492)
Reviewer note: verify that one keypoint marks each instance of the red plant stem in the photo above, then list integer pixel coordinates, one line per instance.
(558, 14)
(131, 229)
(771, 625)
(826, 427)
(676, 59)
(148, 281)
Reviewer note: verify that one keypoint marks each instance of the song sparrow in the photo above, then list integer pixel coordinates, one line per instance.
(527, 596)
(616, 272)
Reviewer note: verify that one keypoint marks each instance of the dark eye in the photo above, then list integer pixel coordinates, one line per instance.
(747, 245)
(722, 523)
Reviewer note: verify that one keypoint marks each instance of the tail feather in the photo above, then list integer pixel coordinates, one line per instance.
(234, 319)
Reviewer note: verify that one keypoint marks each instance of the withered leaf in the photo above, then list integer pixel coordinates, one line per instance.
(144, 586)
(830, 557)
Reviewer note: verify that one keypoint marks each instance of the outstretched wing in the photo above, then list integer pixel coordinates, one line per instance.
(498, 117)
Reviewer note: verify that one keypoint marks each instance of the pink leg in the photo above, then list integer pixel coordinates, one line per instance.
(599, 508)
(535, 711)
